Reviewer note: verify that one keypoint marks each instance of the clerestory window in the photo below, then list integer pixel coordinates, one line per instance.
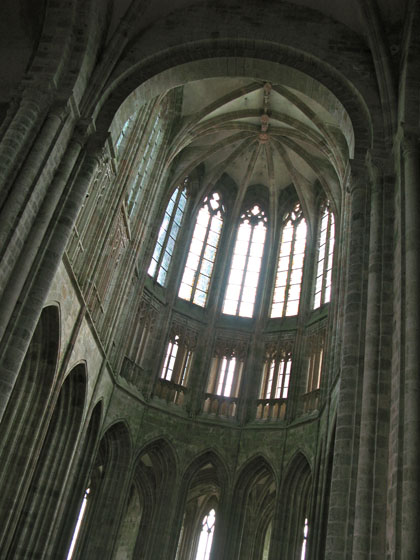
(202, 252)
(225, 376)
(276, 376)
(146, 165)
(177, 363)
(288, 282)
(246, 263)
(325, 255)
(125, 133)
(315, 358)
(168, 233)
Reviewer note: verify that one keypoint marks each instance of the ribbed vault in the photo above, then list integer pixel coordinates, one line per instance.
(260, 133)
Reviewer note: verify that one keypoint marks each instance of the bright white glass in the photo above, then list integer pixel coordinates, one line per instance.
(245, 268)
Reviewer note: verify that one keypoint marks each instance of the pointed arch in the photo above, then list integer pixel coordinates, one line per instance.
(203, 487)
(254, 498)
(296, 493)
(202, 251)
(68, 527)
(24, 422)
(151, 494)
(52, 469)
(107, 484)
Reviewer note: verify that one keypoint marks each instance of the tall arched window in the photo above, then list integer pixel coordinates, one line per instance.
(206, 536)
(276, 378)
(146, 164)
(177, 361)
(246, 264)
(325, 255)
(202, 253)
(290, 265)
(168, 233)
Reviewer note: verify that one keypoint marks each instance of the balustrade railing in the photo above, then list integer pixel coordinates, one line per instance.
(170, 392)
(220, 406)
(131, 372)
(271, 409)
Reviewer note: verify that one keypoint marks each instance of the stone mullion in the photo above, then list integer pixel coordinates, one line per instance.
(371, 483)
(54, 230)
(342, 498)
(410, 414)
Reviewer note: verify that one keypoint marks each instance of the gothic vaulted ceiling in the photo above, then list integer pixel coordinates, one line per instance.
(260, 133)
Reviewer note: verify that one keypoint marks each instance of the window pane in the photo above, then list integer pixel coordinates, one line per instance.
(322, 288)
(202, 251)
(168, 233)
(290, 265)
(246, 263)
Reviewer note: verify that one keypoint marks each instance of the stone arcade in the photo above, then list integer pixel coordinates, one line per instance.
(209, 279)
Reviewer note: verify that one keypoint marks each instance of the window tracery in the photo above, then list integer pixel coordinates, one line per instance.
(276, 374)
(168, 234)
(246, 263)
(179, 354)
(288, 281)
(146, 164)
(202, 252)
(325, 253)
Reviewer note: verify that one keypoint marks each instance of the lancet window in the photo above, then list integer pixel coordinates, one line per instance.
(305, 539)
(226, 371)
(177, 362)
(168, 234)
(325, 253)
(146, 164)
(315, 359)
(276, 374)
(288, 282)
(206, 536)
(125, 133)
(202, 252)
(246, 263)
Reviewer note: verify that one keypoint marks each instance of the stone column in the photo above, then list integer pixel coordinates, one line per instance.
(410, 383)
(32, 105)
(371, 491)
(342, 496)
(55, 225)
(26, 196)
